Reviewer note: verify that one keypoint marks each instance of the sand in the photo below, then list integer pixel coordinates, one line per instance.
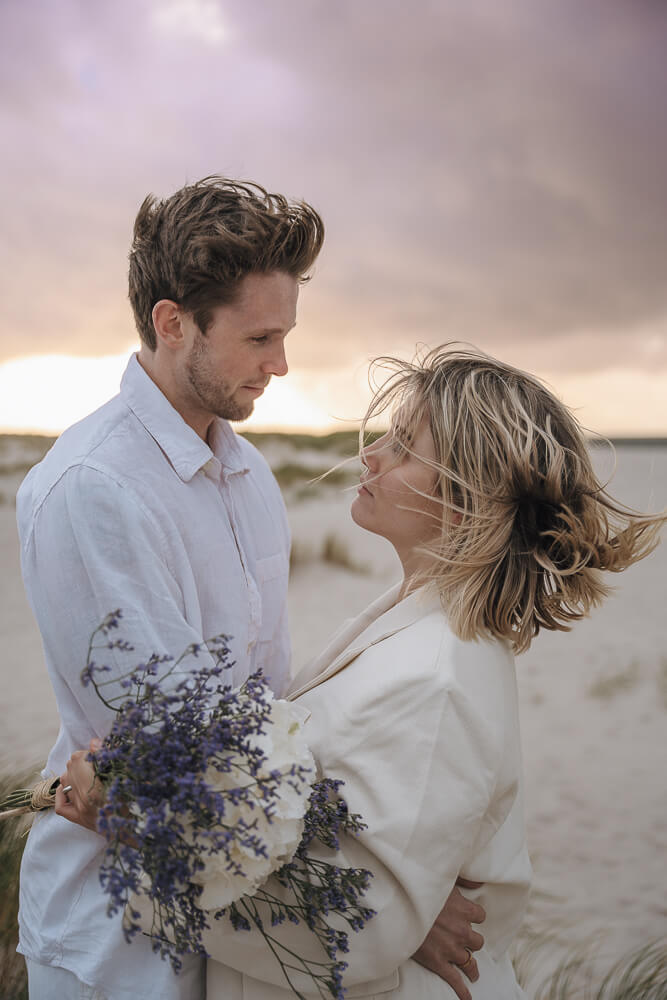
(594, 706)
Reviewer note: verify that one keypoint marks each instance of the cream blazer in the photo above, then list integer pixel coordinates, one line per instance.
(423, 729)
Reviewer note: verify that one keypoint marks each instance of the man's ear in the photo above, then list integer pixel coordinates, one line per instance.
(168, 322)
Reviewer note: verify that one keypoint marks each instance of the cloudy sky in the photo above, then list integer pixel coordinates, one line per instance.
(489, 170)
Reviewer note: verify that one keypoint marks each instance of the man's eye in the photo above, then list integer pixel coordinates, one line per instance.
(259, 340)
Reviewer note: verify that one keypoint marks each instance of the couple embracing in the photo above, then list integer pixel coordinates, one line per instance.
(153, 504)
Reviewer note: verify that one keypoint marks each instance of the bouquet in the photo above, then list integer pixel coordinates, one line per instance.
(208, 790)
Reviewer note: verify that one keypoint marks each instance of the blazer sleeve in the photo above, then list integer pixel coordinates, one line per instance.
(415, 727)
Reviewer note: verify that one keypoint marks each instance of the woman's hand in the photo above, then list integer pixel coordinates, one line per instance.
(448, 949)
(80, 804)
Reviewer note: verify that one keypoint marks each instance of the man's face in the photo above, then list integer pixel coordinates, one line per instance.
(229, 366)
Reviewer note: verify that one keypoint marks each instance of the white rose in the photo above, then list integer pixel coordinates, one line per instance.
(284, 746)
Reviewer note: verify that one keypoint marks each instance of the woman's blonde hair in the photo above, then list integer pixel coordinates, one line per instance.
(527, 527)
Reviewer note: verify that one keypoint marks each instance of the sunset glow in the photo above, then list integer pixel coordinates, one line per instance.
(45, 394)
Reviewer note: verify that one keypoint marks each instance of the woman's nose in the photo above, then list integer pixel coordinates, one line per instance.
(369, 457)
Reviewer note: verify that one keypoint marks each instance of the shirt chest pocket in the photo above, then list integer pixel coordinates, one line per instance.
(272, 575)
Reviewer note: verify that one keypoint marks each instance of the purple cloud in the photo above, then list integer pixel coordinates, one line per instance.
(493, 171)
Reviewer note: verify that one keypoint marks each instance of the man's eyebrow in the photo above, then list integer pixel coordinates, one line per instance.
(265, 331)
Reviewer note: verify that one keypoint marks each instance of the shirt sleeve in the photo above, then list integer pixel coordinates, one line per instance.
(420, 760)
(94, 548)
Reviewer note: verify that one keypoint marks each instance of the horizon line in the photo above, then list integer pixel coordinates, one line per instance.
(620, 438)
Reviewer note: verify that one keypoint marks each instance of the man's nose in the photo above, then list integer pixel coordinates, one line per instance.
(276, 364)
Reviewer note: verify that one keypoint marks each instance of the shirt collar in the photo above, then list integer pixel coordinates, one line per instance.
(183, 447)
(226, 448)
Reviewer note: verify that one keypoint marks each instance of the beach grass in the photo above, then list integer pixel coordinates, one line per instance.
(638, 975)
(333, 550)
(617, 683)
(13, 979)
(291, 474)
(301, 554)
(337, 553)
(19, 452)
(344, 443)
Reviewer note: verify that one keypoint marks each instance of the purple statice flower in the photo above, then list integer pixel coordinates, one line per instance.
(316, 889)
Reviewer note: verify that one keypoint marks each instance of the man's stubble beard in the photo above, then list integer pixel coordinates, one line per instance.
(211, 391)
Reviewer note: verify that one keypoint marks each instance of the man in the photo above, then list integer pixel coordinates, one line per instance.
(153, 505)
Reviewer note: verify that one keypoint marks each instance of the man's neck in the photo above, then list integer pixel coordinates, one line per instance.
(200, 421)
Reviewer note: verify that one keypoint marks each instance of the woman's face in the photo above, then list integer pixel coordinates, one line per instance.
(390, 501)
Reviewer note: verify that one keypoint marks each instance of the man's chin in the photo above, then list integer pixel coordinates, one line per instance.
(237, 413)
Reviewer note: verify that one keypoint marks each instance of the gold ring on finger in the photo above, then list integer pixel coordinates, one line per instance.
(467, 961)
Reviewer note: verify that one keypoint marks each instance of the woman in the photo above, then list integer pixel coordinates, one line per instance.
(484, 486)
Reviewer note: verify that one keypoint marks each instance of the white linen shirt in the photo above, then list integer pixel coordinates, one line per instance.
(131, 509)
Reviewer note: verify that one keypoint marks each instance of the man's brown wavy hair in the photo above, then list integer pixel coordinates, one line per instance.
(198, 245)
(527, 529)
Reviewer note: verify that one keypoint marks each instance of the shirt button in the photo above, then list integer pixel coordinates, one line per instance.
(211, 469)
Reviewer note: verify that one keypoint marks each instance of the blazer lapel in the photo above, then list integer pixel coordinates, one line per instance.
(381, 619)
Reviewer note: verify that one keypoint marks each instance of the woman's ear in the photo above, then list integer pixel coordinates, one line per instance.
(168, 322)
(451, 516)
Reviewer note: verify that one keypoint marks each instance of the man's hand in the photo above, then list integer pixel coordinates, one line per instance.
(447, 950)
(84, 795)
